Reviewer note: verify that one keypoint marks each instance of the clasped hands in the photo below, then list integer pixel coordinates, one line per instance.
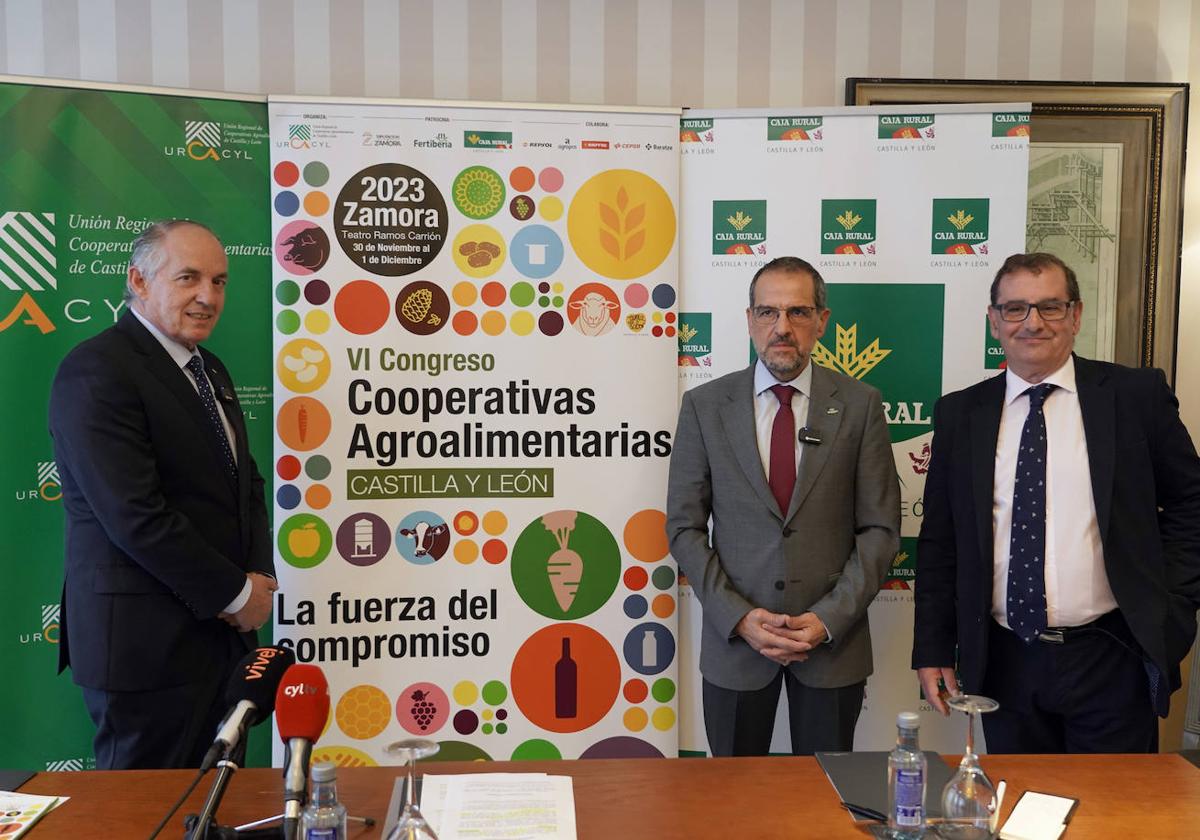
(779, 637)
(257, 609)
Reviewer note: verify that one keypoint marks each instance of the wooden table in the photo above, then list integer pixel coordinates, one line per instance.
(1128, 796)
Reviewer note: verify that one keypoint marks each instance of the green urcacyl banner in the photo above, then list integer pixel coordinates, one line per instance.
(85, 170)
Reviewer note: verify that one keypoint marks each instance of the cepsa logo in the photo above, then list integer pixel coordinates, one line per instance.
(28, 268)
(48, 633)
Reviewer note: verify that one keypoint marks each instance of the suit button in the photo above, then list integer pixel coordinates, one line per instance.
(787, 532)
(779, 584)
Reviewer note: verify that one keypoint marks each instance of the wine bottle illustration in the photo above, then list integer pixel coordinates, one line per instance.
(566, 683)
(564, 567)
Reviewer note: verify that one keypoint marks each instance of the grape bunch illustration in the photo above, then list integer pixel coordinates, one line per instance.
(423, 709)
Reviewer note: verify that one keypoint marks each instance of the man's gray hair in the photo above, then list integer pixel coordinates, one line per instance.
(793, 265)
(147, 255)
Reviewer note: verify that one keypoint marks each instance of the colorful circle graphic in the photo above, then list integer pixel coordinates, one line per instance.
(391, 219)
(536, 251)
(621, 224)
(646, 535)
(649, 648)
(363, 712)
(550, 179)
(362, 307)
(578, 665)
(286, 173)
(423, 708)
(287, 203)
(521, 208)
(593, 309)
(304, 541)
(565, 564)
(478, 192)
(288, 466)
(536, 749)
(622, 746)
(422, 537)
(479, 251)
(422, 307)
(363, 539)
(465, 693)
(303, 424)
(302, 248)
(520, 179)
(287, 292)
(316, 174)
(303, 365)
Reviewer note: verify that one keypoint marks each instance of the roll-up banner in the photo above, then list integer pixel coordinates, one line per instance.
(907, 212)
(85, 169)
(475, 327)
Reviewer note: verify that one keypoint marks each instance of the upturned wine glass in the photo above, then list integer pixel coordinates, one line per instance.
(412, 825)
(969, 799)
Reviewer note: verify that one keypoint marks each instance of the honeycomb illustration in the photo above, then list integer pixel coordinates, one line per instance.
(363, 712)
(343, 757)
(416, 306)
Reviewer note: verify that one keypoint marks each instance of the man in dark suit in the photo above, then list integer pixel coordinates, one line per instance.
(1059, 558)
(794, 465)
(168, 551)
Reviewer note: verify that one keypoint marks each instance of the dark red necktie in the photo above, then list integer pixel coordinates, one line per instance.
(783, 448)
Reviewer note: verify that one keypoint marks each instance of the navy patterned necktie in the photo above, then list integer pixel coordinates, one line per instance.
(1026, 601)
(196, 366)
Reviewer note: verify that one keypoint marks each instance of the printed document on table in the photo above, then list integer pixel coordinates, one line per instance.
(500, 806)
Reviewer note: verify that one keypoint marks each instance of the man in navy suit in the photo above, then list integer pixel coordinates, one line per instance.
(1059, 559)
(168, 553)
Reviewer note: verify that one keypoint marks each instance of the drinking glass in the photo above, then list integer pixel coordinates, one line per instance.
(969, 799)
(411, 825)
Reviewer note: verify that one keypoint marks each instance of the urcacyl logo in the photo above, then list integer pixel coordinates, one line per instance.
(27, 261)
(848, 226)
(300, 136)
(47, 487)
(202, 138)
(49, 627)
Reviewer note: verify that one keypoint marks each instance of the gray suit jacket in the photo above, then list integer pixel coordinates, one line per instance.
(828, 555)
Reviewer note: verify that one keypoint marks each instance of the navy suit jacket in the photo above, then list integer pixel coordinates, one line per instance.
(159, 536)
(1146, 486)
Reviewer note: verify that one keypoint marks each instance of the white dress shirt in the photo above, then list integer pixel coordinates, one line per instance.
(1077, 589)
(766, 405)
(181, 356)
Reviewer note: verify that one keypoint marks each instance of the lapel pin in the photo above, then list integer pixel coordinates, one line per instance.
(831, 410)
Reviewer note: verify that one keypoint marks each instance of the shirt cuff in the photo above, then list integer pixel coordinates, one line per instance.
(240, 601)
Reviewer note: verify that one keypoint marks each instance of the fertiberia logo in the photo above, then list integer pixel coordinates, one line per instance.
(740, 227)
(960, 226)
(848, 226)
(906, 126)
(794, 129)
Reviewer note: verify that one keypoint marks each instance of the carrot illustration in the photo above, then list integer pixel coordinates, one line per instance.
(564, 567)
(302, 422)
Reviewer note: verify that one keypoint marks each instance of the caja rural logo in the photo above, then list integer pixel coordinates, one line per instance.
(906, 126)
(695, 339)
(696, 131)
(960, 226)
(848, 226)
(795, 129)
(740, 227)
(1007, 124)
(27, 267)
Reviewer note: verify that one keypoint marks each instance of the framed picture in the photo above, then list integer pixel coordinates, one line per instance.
(1105, 194)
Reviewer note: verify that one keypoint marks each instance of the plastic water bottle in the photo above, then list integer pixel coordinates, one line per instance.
(324, 818)
(906, 780)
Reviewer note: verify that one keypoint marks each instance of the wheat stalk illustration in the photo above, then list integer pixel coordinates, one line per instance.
(623, 233)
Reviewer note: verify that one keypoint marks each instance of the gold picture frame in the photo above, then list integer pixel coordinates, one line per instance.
(1148, 122)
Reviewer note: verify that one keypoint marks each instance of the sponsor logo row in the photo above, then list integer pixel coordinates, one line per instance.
(903, 128)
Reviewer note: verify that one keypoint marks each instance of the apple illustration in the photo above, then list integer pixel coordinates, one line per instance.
(305, 541)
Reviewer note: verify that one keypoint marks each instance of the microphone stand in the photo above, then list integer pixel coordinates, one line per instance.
(227, 767)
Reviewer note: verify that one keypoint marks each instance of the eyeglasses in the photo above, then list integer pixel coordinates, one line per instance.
(765, 316)
(1048, 310)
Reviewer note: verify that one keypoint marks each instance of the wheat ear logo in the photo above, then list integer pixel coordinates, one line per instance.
(849, 219)
(960, 219)
(473, 139)
(687, 333)
(623, 231)
(739, 220)
(848, 359)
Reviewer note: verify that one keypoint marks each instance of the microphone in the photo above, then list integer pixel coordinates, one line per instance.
(301, 710)
(808, 434)
(251, 694)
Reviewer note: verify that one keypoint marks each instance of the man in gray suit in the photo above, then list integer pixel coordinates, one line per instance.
(794, 464)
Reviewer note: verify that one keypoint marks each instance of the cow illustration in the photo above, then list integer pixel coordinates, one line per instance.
(430, 540)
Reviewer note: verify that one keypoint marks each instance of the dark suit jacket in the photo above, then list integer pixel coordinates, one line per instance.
(830, 552)
(159, 537)
(1146, 486)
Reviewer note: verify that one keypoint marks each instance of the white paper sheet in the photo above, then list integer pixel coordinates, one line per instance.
(500, 806)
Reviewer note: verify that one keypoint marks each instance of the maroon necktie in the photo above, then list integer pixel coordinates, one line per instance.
(783, 448)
